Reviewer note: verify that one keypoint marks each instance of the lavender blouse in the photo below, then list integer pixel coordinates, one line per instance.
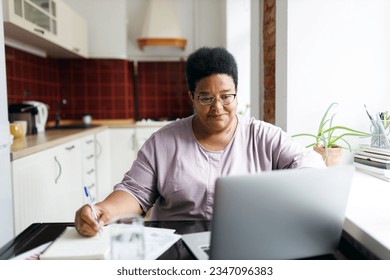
(176, 174)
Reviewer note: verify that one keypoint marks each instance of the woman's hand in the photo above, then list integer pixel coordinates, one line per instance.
(84, 222)
(116, 204)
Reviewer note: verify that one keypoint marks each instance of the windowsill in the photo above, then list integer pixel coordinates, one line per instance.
(368, 214)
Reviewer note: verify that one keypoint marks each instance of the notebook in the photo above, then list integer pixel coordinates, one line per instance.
(71, 245)
(283, 214)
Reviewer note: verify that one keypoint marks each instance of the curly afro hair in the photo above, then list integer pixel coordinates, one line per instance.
(208, 61)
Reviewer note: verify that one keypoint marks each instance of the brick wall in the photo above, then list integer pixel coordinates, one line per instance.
(269, 61)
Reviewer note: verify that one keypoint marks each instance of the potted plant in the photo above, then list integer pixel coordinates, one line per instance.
(328, 138)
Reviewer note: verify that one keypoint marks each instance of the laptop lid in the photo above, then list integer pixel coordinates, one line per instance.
(283, 214)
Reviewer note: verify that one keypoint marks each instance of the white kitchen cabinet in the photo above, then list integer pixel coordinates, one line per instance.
(123, 152)
(49, 25)
(89, 164)
(125, 143)
(72, 30)
(36, 17)
(103, 164)
(142, 134)
(48, 185)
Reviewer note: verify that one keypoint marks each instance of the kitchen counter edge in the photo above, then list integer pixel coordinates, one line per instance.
(32, 144)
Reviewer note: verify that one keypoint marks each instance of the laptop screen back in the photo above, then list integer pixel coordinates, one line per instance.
(283, 214)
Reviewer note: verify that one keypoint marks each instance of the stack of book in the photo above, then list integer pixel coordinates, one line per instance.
(374, 161)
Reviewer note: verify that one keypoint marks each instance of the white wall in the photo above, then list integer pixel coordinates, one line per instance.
(331, 51)
(238, 42)
(107, 26)
(256, 60)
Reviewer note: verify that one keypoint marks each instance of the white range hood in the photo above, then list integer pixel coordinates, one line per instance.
(162, 26)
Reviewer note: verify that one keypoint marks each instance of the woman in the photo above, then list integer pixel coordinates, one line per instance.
(177, 167)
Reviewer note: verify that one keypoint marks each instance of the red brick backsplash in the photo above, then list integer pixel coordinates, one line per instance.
(162, 90)
(31, 78)
(103, 88)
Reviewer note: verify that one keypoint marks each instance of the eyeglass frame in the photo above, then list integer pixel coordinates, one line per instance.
(213, 98)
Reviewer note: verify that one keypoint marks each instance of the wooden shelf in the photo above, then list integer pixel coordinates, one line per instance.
(173, 42)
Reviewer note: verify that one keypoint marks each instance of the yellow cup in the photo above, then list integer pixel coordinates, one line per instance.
(16, 130)
(24, 126)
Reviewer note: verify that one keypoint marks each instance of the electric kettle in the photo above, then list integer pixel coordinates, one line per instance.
(41, 116)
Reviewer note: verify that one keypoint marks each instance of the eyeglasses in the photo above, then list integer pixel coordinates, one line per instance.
(225, 99)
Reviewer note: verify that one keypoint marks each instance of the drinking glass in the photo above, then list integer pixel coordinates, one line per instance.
(127, 238)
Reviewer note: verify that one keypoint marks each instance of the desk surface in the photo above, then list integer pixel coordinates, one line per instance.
(368, 214)
(41, 233)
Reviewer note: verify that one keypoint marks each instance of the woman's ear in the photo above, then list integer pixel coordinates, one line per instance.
(191, 96)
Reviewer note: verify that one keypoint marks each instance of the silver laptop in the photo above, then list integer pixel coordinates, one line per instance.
(283, 214)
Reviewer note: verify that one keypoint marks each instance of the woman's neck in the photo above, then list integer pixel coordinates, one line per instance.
(216, 141)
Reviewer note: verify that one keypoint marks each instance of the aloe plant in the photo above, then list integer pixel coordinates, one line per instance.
(330, 136)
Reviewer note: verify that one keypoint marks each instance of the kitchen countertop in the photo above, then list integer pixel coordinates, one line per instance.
(31, 144)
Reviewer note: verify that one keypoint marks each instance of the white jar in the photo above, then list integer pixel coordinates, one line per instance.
(87, 119)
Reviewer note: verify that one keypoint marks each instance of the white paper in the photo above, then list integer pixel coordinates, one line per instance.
(71, 245)
(158, 240)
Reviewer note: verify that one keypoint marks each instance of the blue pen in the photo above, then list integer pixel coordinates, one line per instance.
(90, 203)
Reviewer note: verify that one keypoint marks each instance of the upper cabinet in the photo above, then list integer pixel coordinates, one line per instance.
(107, 26)
(72, 30)
(49, 25)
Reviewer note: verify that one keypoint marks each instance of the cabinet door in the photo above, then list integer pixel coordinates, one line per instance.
(123, 152)
(49, 25)
(34, 189)
(72, 30)
(143, 133)
(47, 186)
(125, 143)
(35, 16)
(103, 166)
(70, 184)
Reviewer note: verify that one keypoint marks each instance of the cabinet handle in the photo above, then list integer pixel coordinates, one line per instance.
(89, 141)
(91, 186)
(98, 149)
(133, 144)
(90, 171)
(70, 148)
(39, 31)
(59, 170)
(89, 157)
